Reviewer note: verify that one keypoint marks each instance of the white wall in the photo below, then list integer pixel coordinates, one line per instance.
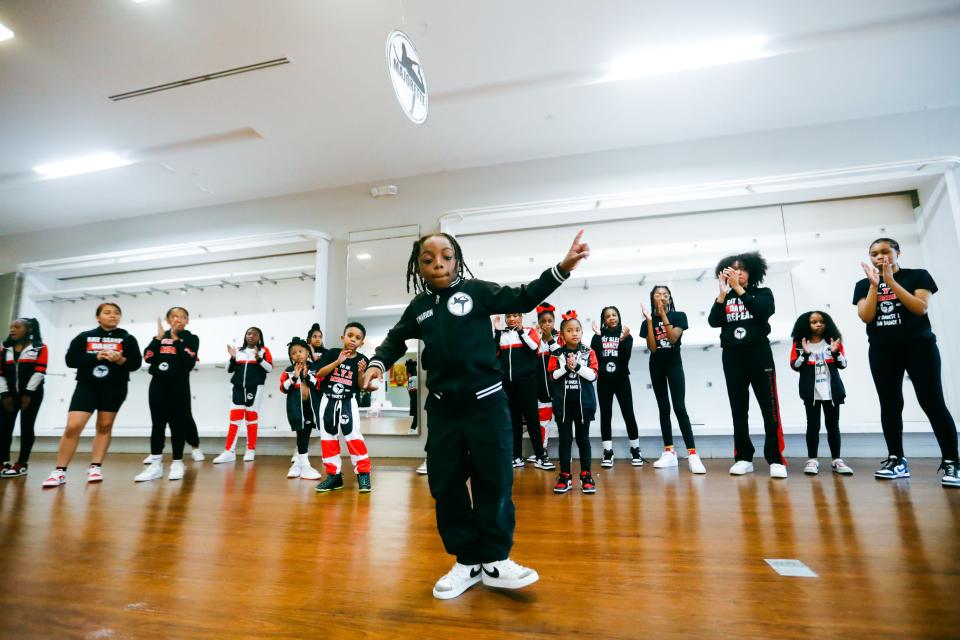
(423, 199)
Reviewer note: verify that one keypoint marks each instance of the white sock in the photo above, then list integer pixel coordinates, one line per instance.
(607, 445)
(635, 444)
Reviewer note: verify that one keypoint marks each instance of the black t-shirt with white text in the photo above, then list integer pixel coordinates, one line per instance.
(678, 319)
(344, 381)
(893, 321)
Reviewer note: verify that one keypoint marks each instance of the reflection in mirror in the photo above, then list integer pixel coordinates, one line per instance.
(376, 296)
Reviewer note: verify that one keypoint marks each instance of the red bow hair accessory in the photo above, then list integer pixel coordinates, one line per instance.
(546, 307)
(570, 315)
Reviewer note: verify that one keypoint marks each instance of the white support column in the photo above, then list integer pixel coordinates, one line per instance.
(320, 283)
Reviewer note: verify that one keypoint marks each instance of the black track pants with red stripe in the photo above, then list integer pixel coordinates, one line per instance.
(743, 368)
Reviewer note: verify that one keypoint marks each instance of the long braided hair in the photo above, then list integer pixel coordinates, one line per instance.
(414, 279)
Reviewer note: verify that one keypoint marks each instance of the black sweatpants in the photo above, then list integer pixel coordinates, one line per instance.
(607, 388)
(522, 400)
(831, 413)
(472, 440)
(667, 371)
(565, 429)
(192, 436)
(743, 368)
(169, 405)
(28, 419)
(921, 360)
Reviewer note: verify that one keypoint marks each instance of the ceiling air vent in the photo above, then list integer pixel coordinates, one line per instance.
(216, 75)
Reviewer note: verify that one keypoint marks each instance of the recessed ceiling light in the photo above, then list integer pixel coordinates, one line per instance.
(86, 164)
(363, 256)
(5, 33)
(653, 62)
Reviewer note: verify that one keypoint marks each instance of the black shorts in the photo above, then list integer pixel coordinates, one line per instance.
(98, 397)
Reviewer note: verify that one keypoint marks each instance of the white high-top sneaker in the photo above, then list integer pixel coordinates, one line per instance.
(741, 467)
(306, 471)
(176, 470)
(225, 456)
(197, 455)
(778, 470)
(250, 455)
(667, 459)
(295, 468)
(153, 472)
(422, 469)
(695, 464)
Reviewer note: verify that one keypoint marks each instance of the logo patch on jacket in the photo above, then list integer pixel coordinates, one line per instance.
(460, 304)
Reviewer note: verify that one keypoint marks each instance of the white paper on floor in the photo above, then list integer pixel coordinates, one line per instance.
(792, 568)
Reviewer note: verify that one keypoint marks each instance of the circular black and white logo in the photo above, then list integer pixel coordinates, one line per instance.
(163, 366)
(249, 395)
(406, 76)
(611, 367)
(344, 418)
(739, 333)
(460, 304)
(887, 307)
(337, 388)
(101, 371)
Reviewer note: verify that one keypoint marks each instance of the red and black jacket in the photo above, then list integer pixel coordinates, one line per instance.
(517, 350)
(290, 387)
(574, 397)
(250, 367)
(23, 373)
(806, 365)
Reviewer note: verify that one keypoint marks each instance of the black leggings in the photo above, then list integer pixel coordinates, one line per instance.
(28, 418)
(303, 440)
(920, 359)
(743, 368)
(667, 370)
(169, 405)
(566, 444)
(607, 388)
(522, 400)
(831, 414)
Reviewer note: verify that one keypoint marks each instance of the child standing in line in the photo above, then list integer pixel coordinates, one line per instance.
(172, 355)
(549, 342)
(23, 367)
(302, 387)
(574, 368)
(103, 358)
(517, 348)
(818, 356)
(613, 345)
(340, 373)
(663, 332)
(249, 365)
(470, 435)
(315, 342)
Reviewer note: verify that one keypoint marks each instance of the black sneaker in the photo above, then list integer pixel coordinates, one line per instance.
(363, 483)
(15, 471)
(951, 473)
(545, 464)
(636, 457)
(607, 461)
(564, 482)
(587, 485)
(331, 483)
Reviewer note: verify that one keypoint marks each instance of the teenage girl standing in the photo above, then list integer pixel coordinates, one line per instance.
(818, 356)
(663, 331)
(742, 311)
(172, 355)
(892, 301)
(23, 366)
(103, 358)
(249, 366)
(613, 346)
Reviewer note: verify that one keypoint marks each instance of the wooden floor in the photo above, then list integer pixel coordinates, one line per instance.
(240, 551)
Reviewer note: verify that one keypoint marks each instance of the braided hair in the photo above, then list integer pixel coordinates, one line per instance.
(259, 344)
(653, 305)
(414, 279)
(33, 336)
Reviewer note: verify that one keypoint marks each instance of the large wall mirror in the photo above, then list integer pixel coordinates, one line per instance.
(376, 296)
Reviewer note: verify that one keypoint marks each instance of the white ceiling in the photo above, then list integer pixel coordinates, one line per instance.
(508, 81)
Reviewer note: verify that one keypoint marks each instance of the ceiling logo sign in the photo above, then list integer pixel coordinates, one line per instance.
(406, 75)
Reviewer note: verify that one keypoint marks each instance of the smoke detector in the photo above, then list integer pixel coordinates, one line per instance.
(384, 190)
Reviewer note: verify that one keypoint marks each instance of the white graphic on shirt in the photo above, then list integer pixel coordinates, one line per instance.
(101, 371)
(739, 333)
(611, 367)
(460, 304)
(888, 307)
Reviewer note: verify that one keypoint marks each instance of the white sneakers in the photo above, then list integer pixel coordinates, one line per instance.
(778, 470)
(152, 472)
(225, 456)
(176, 470)
(250, 455)
(460, 578)
(197, 455)
(695, 464)
(839, 466)
(667, 459)
(56, 478)
(503, 574)
(422, 469)
(95, 473)
(812, 467)
(740, 467)
(301, 468)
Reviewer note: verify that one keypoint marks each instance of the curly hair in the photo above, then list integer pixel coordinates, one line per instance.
(801, 328)
(751, 262)
(414, 279)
